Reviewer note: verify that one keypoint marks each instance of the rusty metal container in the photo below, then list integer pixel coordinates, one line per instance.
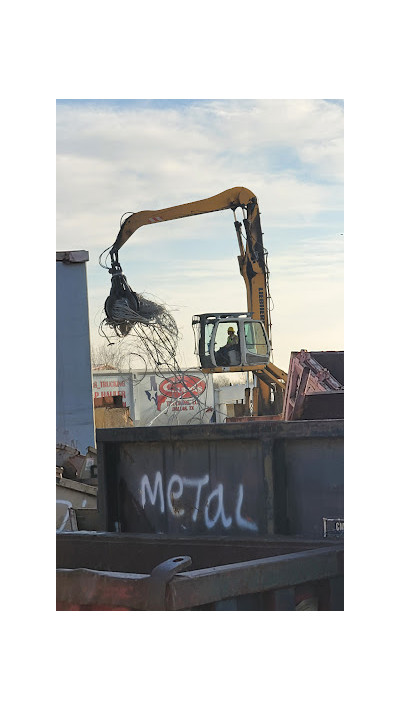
(212, 517)
(102, 571)
(315, 386)
(234, 480)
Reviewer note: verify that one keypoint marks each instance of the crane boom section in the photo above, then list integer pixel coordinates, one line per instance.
(251, 259)
(252, 265)
(232, 198)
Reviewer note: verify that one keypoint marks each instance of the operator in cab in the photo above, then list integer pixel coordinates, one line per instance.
(222, 356)
(233, 338)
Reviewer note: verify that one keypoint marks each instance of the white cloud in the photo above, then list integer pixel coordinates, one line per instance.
(144, 159)
(288, 152)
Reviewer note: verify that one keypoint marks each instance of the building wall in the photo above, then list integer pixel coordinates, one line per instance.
(112, 382)
(112, 417)
(225, 398)
(75, 495)
(75, 422)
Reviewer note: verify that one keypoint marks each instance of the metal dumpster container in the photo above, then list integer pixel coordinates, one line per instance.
(103, 571)
(260, 478)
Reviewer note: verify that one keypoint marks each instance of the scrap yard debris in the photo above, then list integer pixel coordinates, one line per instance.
(143, 325)
(150, 328)
(125, 308)
(127, 312)
(151, 324)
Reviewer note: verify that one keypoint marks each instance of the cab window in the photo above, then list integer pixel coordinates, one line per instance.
(226, 347)
(207, 337)
(223, 334)
(256, 343)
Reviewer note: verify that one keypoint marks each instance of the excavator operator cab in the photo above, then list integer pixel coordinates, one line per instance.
(230, 341)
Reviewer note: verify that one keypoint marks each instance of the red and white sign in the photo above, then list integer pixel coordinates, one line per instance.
(166, 398)
(176, 399)
(185, 388)
(106, 385)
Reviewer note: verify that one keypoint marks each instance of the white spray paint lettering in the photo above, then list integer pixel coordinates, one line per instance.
(175, 490)
(171, 496)
(145, 486)
(199, 483)
(220, 513)
(243, 522)
(63, 502)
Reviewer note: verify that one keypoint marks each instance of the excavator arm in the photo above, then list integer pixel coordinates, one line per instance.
(232, 198)
(252, 264)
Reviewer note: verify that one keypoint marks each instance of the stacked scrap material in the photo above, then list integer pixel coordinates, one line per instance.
(71, 464)
(315, 386)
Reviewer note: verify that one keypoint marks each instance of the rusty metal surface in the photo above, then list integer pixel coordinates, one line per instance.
(88, 589)
(83, 588)
(232, 479)
(315, 386)
(80, 588)
(332, 361)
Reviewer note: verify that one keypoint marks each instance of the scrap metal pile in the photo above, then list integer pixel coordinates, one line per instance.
(149, 331)
(150, 323)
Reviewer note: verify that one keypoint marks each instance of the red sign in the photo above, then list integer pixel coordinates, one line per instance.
(187, 386)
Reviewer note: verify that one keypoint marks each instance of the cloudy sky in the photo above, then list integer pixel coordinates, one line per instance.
(131, 155)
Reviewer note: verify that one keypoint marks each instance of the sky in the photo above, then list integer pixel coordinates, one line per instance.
(118, 156)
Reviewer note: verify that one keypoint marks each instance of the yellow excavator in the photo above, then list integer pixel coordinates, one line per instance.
(235, 341)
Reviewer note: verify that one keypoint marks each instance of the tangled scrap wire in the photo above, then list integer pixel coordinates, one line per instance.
(127, 311)
(154, 336)
(150, 323)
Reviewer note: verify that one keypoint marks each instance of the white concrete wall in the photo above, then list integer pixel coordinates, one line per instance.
(72, 494)
(228, 394)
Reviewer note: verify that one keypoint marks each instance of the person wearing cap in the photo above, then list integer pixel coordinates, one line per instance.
(233, 339)
(232, 344)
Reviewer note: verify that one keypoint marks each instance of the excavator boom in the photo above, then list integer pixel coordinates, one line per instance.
(232, 198)
(252, 262)
(251, 259)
